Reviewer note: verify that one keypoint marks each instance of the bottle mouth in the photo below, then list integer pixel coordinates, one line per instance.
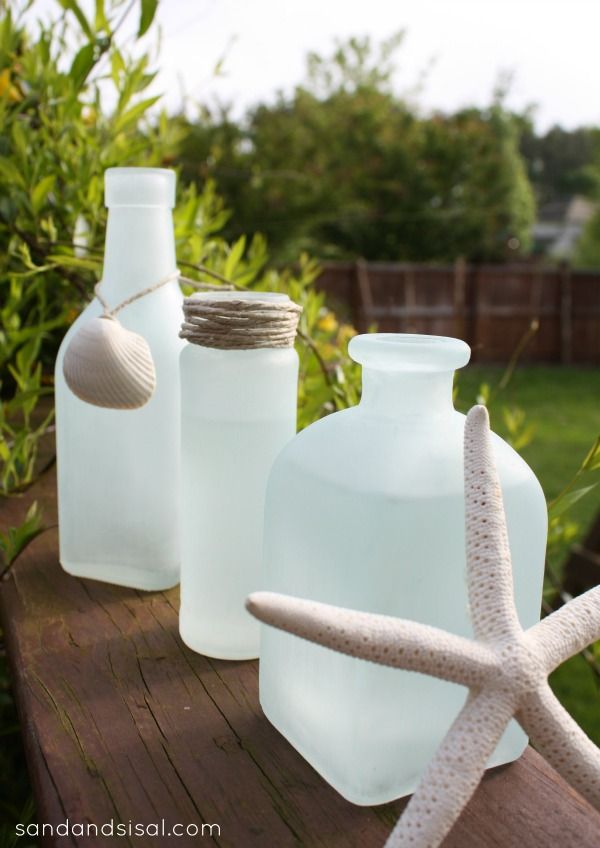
(409, 352)
(227, 295)
(149, 187)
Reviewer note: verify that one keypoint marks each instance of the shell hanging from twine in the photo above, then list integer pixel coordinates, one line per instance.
(109, 366)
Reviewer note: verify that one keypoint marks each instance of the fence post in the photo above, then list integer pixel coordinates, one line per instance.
(472, 307)
(365, 296)
(566, 314)
(458, 296)
(410, 300)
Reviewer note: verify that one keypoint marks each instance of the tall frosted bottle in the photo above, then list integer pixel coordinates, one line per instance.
(238, 410)
(118, 470)
(365, 509)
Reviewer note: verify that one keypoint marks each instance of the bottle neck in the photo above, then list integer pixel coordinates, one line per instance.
(139, 250)
(401, 394)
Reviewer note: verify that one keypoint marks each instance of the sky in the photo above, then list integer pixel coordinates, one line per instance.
(551, 49)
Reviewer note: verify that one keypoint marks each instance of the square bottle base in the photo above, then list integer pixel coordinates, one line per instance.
(200, 638)
(120, 575)
(505, 753)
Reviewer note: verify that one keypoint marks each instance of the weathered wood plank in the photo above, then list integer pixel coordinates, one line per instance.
(121, 721)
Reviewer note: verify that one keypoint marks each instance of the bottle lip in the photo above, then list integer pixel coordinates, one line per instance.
(274, 297)
(139, 187)
(409, 352)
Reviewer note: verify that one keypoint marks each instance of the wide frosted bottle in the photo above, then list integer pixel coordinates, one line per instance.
(118, 470)
(365, 509)
(238, 411)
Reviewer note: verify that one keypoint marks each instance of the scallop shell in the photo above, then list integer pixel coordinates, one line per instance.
(110, 366)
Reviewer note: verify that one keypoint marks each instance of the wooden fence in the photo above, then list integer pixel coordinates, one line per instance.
(491, 307)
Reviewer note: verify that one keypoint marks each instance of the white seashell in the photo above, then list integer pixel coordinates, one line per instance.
(110, 366)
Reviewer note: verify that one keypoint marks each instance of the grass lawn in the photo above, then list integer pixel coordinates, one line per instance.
(564, 405)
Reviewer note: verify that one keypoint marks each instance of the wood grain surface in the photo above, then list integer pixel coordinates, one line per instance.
(122, 722)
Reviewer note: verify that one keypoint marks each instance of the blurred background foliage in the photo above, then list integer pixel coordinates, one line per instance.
(342, 167)
(346, 167)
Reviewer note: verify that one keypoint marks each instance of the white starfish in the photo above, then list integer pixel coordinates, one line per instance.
(505, 669)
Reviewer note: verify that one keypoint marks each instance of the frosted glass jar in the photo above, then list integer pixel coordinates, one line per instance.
(365, 509)
(118, 470)
(238, 411)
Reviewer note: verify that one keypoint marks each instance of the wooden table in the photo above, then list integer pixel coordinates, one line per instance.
(122, 722)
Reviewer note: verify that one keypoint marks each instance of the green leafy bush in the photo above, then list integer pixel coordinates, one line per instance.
(346, 167)
(56, 142)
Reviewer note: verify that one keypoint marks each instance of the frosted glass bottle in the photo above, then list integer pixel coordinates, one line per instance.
(238, 410)
(365, 510)
(118, 470)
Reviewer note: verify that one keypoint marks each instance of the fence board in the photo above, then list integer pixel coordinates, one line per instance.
(491, 307)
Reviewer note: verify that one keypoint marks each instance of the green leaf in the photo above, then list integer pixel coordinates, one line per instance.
(71, 6)
(13, 542)
(101, 22)
(41, 191)
(149, 8)
(484, 393)
(523, 437)
(134, 113)
(20, 139)
(117, 66)
(82, 64)
(566, 501)
(74, 261)
(10, 172)
(235, 254)
(592, 460)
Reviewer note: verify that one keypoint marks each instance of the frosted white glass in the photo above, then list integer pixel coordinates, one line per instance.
(365, 509)
(118, 470)
(238, 410)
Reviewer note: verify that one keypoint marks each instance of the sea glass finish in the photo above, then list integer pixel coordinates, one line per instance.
(118, 470)
(238, 411)
(365, 510)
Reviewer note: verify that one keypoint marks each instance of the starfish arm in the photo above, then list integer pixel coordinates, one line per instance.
(491, 594)
(568, 630)
(454, 773)
(379, 638)
(562, 742)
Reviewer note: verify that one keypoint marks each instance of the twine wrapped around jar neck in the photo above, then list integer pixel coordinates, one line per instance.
(240, 320)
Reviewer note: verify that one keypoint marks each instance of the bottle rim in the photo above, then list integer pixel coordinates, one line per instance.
(273, 297)
(139, 187)
(409, 352)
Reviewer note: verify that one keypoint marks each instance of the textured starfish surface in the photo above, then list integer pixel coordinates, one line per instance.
(504, 668)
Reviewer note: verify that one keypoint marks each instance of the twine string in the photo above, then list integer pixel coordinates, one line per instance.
(174, 275)
(236, 323)
(239, 324)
